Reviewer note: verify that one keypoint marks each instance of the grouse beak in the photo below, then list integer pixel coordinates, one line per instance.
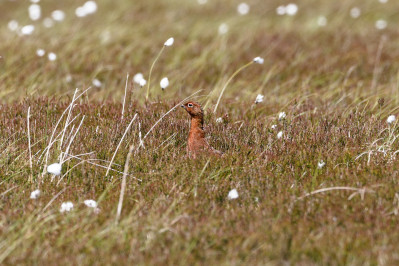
(182, 106)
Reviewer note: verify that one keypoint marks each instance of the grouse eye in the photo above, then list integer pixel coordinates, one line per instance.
(190, 105)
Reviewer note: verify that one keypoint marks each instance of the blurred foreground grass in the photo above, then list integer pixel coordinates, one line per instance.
(337, 84)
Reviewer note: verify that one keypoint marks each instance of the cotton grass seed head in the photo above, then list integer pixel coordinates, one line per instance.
(80, 12)
(322, 21)
(164, 83)
(137, 78)
(259, 60)
(34, 12)
(381, 24)
(27, 30)
(13, 25)
(223, 29)
(274, 126)
(233, 194)
(90, 203)
(259, 98)
(40, 52)
(281, 10)
(35, 194)
(169, 42)
(97, 83)
(90, 7)
(66, 206)
(142, 82)
(68, 78)
(52, 56)
(280, 134)
(54, 169)
(291, 9)
(243, 9)
(355, 12)
(321, 164)
(219, 120)
(58, 15)
(391, 119)
(282, 115)
(48, 22)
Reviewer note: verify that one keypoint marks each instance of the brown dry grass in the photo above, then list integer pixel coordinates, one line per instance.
(337, 93)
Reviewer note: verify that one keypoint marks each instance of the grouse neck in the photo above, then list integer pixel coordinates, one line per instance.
(197, 123)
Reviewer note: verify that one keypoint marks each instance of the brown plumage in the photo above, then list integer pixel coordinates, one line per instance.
(196, 138)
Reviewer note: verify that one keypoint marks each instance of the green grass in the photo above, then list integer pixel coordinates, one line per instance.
(337, 84)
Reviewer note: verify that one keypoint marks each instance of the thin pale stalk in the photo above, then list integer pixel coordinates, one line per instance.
(149, 75)
(333, 188)
(140, 140)
(67, 120)
(8, 190)
(30, 150)
(101, 166)
(73, 137)
(52, 200)
(77, 155)
(120, 142)
(228, 81)
(124, 98)
(123, 185)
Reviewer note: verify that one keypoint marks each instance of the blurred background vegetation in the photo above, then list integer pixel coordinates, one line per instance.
(326, 49)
